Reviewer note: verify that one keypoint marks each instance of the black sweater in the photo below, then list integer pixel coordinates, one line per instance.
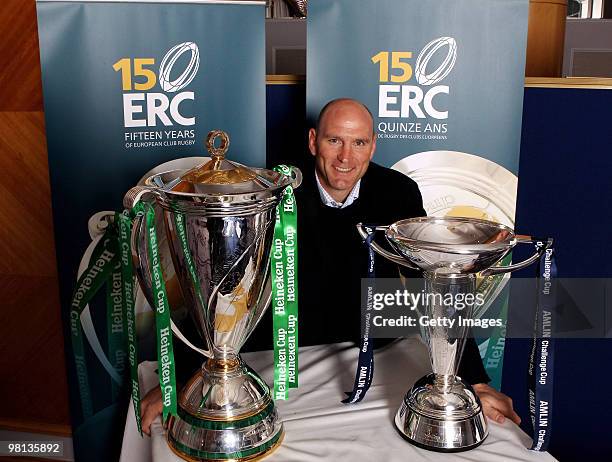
(332, 257)
(332, 260)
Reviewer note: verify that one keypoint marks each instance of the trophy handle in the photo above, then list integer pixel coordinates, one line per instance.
(296, 176)
(135, 195)
(141, 271)
(207, 353)
(541, 249)
(365, 231)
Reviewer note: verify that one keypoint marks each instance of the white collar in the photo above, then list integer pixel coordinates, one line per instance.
(331, 202)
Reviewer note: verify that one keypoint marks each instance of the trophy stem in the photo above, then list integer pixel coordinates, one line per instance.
(441, 412)
(222, 366)
(444, 383)
(226, 412)
(446, 306)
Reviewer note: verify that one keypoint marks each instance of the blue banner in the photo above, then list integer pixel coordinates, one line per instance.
(444, 81)
(128, 86)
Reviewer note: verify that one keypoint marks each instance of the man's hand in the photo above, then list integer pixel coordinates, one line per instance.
(496, 405)
(151, 406)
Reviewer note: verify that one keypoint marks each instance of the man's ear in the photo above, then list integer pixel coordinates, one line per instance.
(312, 141)
(374, 137)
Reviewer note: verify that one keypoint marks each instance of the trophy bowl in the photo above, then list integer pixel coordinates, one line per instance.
(451, 245)
(219, 220)
(442, 412)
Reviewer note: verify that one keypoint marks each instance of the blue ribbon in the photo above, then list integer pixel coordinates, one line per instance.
(365, 365)
(541, 361)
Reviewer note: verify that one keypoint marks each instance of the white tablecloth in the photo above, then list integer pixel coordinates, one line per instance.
(319, 427)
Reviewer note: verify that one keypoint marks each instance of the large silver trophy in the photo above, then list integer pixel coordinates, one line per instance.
(442, 412)
(219, 219)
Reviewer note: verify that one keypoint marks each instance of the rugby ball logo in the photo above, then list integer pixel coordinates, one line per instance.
(188, 74)
(420, 72)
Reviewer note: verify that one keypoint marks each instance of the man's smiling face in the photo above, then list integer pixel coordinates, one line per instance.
(343, 145)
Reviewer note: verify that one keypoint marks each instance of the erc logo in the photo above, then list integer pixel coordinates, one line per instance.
(143, 108)
(395, 67)
(423, 78)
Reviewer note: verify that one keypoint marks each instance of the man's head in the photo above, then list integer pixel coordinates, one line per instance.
(343, 145)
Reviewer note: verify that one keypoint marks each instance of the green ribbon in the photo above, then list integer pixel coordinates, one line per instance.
(165, 353)
(129, 309)
(283, 261)
(101, 265)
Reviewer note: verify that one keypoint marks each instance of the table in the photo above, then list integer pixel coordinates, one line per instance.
(319, 427)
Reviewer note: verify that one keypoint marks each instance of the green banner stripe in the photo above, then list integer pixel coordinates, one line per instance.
(96, 274)
(493, 358)
(99, 269)
(115, 327)
(165, 353)
(222, 425)
(78, 351)
(224, 456)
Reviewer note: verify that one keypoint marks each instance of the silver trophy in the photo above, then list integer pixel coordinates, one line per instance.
(442, 412)
(219, 220)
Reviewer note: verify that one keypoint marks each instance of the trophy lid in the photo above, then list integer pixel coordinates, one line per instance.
(220, 175)
(223, 187)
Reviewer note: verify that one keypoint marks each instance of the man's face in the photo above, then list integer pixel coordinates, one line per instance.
(343, 147)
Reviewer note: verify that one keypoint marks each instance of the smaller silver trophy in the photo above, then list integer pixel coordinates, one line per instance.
(442, 412)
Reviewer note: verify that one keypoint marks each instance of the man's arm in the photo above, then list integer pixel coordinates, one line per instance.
(151, 407)
(495, 405)
(187, 363)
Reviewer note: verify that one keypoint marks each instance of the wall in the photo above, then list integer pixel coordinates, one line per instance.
(286, 46)
(588, 34)
(33, 388)
(564, 192)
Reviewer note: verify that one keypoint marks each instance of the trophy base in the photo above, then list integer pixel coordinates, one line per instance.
(442, 421)
(225, 413)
